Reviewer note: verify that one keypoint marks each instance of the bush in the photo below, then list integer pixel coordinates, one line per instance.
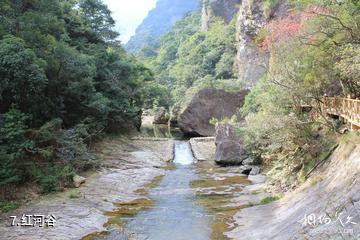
(52, 178)
(69, 146)
(13, 145)
(269, 199)
(6, 206)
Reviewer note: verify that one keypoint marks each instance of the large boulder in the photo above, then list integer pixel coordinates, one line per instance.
(229, 146)
(161, 116)
(209, 103)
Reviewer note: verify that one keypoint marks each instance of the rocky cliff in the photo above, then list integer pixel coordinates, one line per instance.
(225, 9)
(159, 21)
(251, 60)
(252, 17)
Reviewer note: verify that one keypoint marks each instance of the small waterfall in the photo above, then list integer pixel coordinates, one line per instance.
(175, 215)
(183, 153)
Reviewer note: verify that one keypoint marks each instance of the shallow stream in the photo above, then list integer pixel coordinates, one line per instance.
(193, 200)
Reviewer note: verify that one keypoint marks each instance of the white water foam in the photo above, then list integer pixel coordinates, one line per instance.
(183, 153)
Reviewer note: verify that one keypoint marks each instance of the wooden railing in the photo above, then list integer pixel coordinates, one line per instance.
(347, 108)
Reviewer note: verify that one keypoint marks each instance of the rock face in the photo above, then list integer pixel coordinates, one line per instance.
(203, 148)
(333, 188)
(226, 9)
(161, 116)
(252, 61)
(229, 146)
(209, 103)
(230, 150)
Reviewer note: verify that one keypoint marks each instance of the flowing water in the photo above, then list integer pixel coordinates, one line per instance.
(175, 214)
(193, 200)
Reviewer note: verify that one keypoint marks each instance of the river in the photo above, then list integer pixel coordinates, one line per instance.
(186, 198)
(175, 214)
(193, 200)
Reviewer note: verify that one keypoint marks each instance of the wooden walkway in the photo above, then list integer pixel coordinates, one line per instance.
(347, 108)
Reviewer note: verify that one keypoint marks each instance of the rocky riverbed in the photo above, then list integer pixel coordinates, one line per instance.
(127, 167)
(139, 188)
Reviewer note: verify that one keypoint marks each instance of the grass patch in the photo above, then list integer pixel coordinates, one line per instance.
(269, 199)
(7, 206)
(265, 200)
(74, 195)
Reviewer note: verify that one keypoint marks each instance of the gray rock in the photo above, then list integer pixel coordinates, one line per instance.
(225, 9)
(78, 180)
(252, 160)
(161, 116)
(255, 170)
(257, 179)
(252, 61)
(229, 146)
(245, 169)
(250, 170)
(209, 103)
(174, 114)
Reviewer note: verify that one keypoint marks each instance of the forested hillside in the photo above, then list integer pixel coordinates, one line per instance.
(189, 59)
(298, 52)
(159, 21)
(314, 51)
(65, 80)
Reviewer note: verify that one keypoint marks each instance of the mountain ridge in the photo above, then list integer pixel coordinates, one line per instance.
(159, 21)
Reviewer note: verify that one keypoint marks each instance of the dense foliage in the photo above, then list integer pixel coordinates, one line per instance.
(64, 79)
(189, 59)
(314, 52)
(159, 21)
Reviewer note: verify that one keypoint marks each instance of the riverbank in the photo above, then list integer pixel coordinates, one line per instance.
(127, 166)
(326, 206)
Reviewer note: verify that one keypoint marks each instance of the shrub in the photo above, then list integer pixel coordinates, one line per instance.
(269, 199)
(6, 206)
(13, 145)
(52, 178)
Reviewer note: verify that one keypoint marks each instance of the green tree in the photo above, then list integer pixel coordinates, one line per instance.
(22, 79)
(13, 146)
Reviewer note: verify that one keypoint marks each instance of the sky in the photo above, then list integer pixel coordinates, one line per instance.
(128, 14)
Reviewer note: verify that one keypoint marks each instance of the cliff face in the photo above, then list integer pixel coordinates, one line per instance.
(159, 21)
(251, 61)
(225, 9)
(252, 17)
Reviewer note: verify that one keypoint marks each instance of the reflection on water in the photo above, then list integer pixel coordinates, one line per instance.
(175, 214)
(161, 131)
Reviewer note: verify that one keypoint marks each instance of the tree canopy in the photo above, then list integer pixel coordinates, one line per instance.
(64, 79)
